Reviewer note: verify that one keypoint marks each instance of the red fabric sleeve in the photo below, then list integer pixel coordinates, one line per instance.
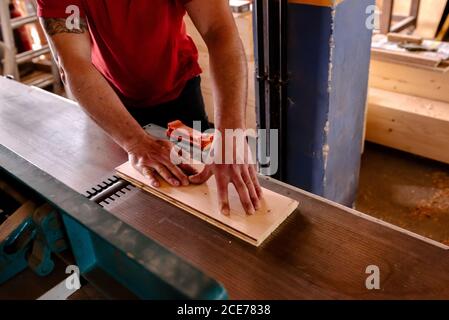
(57, 8)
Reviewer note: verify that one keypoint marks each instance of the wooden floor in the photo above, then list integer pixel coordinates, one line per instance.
(29, 286)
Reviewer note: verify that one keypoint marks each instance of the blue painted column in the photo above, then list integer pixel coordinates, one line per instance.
(328, 62)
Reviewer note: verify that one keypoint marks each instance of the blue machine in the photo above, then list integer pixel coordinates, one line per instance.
(37, 234)
(111, 255)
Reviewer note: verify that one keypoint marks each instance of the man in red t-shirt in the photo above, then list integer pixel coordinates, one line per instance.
(130, 63)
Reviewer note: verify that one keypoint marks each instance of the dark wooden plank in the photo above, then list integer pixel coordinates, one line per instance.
(322, 251)
(55, 135)
(29, 286)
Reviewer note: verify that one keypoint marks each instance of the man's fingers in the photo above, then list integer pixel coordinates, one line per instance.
(178, 173)
(255, 180)
(201, 177)
(223, 197)
(188, 169)
(150, 175)
(251, 188)
(243, 192)
(166, 175)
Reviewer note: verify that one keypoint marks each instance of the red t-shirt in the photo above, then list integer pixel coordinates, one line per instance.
(140, 46)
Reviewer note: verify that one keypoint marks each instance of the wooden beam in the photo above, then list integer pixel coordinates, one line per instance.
(430, 15)
(386, 17)
(400, 37)
(404, 57)
(8, 43)
(416, 125)
(414, 8)
(403, 24)
(426, 83)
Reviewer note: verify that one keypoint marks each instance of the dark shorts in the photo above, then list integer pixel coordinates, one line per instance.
(188, 107)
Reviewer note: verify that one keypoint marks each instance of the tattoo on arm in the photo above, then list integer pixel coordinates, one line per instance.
(54, 26)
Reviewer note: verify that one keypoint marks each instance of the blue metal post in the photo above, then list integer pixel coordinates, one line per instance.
(328, 61)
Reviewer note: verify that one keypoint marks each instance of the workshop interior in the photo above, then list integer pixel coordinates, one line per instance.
(357, 92)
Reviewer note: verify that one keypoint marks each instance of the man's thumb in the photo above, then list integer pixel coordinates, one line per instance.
(201, 177)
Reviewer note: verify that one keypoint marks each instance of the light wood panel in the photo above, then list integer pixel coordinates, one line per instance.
(404, 58)
(400, 37)
(399, 78)
(430, 14)
(416, 125)
(202, 201)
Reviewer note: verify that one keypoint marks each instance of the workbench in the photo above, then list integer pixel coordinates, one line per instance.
(321, 252)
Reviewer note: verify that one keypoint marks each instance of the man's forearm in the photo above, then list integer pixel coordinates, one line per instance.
(71, 48)
(229, 71)
(99, 100)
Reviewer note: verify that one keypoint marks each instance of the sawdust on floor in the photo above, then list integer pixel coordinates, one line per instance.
(405, 190)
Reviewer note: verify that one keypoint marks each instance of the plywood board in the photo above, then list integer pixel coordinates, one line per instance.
(201, 201)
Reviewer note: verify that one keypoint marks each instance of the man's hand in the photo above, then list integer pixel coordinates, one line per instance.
(229, 75)
(241, 173)
(151, 157)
